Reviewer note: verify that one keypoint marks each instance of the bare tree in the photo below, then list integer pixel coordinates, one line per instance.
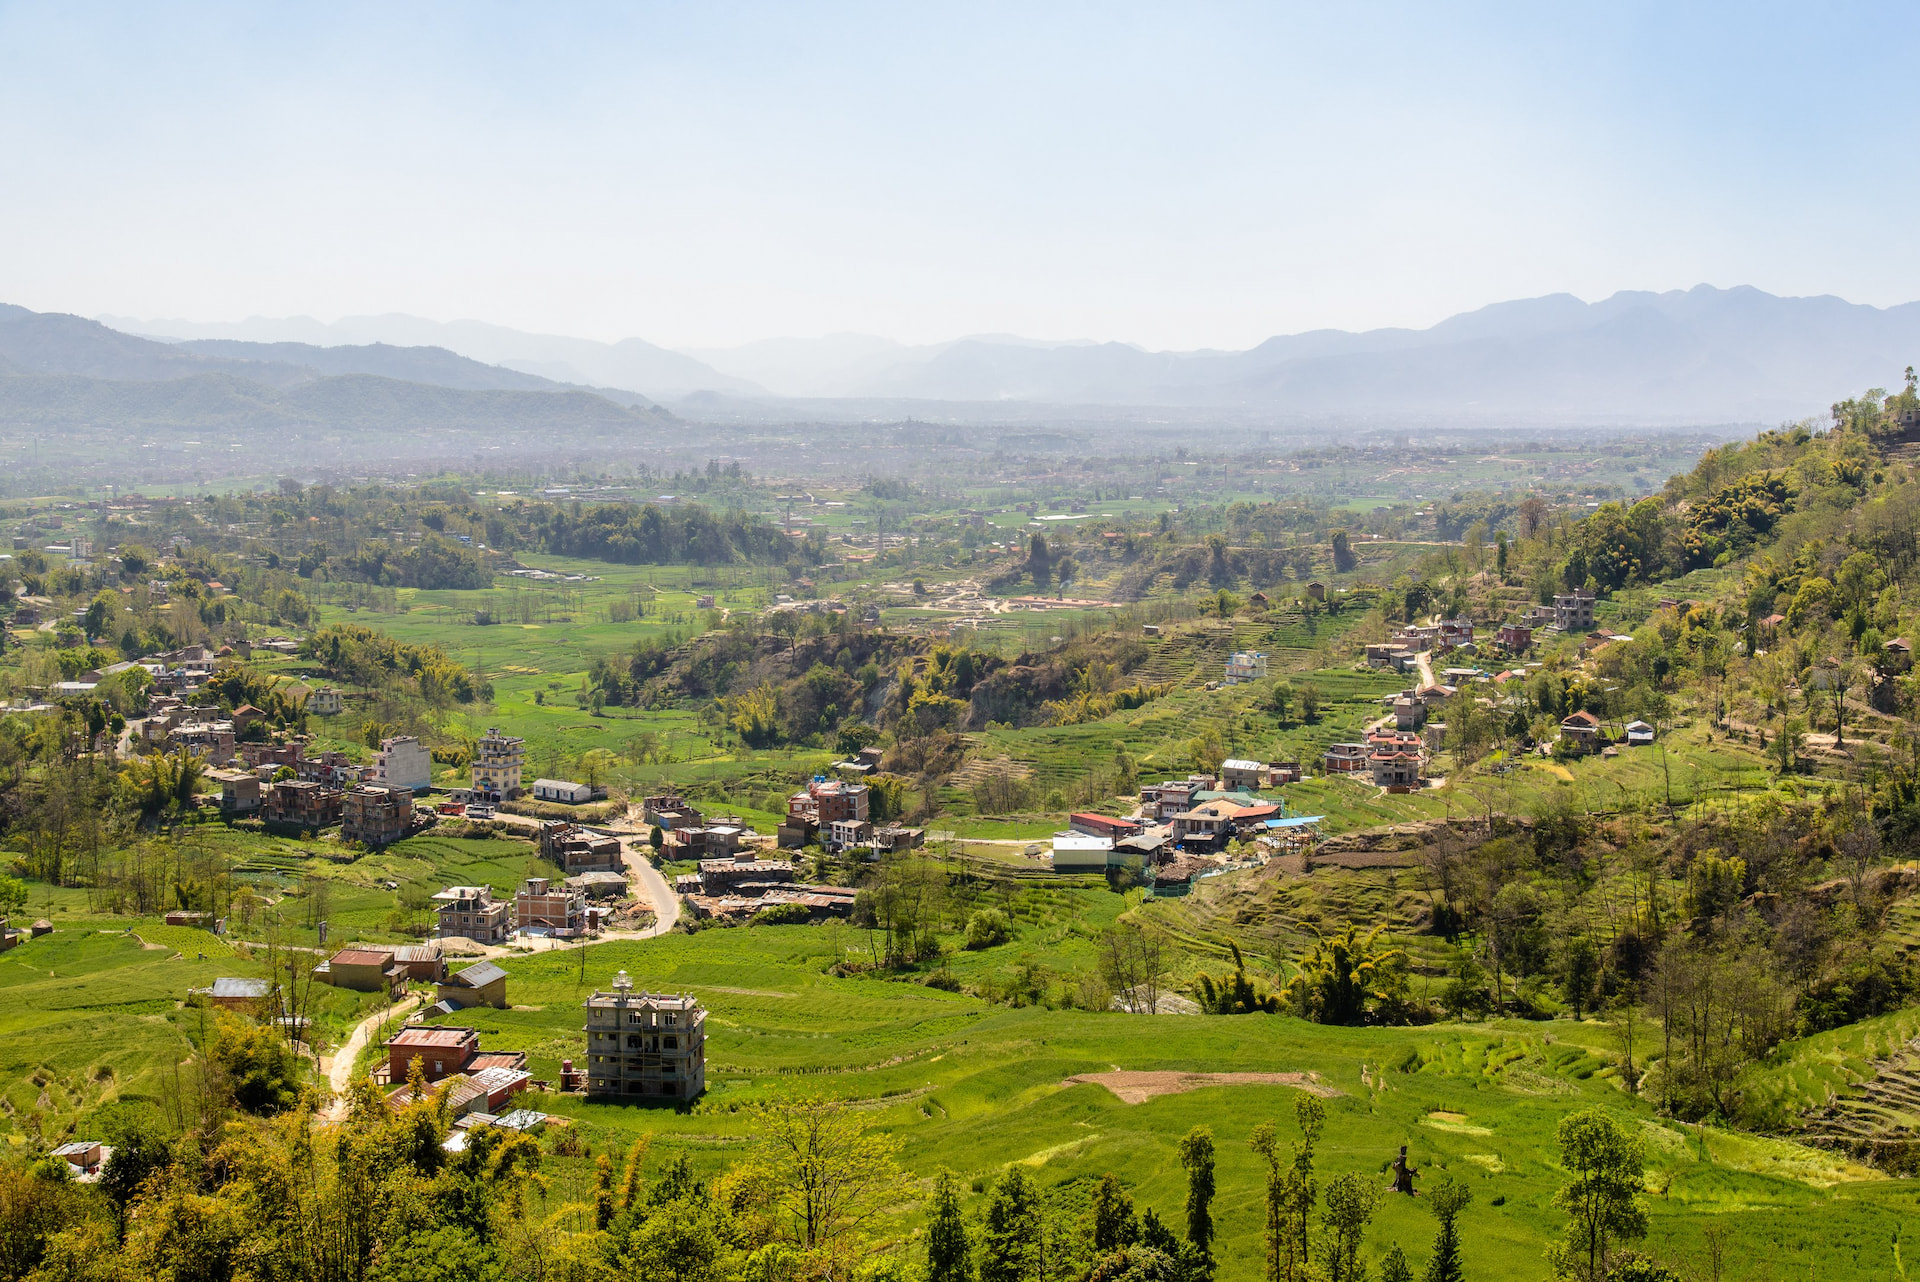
(1133, 961)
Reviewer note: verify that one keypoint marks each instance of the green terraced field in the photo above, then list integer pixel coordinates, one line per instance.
(975, 1087)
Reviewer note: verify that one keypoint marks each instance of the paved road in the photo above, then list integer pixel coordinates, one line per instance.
(652, 885)
(666, 904)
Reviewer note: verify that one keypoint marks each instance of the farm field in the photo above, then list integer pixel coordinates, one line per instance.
(973, 1087)
(92, 1014)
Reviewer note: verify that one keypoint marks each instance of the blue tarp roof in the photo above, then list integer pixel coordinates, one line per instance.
(1299, 821)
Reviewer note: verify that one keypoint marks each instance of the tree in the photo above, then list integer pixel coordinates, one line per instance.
(1291, 1192)
(1350, 1204)
(1343, 558)
(1602, 1200)
(1111, 1216)
(602, 1192)
(1344, 976)
(828, 1172)
(1236, 994)
(258, 1068)
(13, 896)
(948, 1252)
(1310, 705)
(656, 838)
(1446, 1202)
(1010, 1230)
(1133, 961)
(1196, 1156)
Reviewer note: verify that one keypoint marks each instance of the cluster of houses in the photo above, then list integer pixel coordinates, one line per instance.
(1181, 826)
(372, 804)
(541, 907)
(835, 812)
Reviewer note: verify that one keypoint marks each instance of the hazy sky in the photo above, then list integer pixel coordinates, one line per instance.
(1176, 175)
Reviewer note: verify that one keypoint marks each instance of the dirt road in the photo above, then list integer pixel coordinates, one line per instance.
(340, 1069)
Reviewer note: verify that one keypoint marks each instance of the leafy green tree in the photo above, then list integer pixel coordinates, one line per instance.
(256, 1064)
(13, 896)
(1010, 1231)
(1111, 1216)
(1394, 1267)
(1196, 1157)
(1446, 1202)
(1602, 1200)
(829, 1171)
(1345, 977)
(1350, 1203)
(443, 1254)
(949, 1257)
(1290, 1193)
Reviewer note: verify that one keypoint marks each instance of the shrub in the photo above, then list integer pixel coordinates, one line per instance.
(987, 927)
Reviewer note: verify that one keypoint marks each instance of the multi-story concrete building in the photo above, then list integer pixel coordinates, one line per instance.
(645, 1045)
(1573, 611)
(498, 760)
(471, 912)
(403, 762)
(326, 703)
(334, 770)
(239, 791)
(376, 816)
(1246, 665)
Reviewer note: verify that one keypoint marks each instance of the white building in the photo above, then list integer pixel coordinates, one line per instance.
(561, 790)
(1246, 665)
(1074, 852)
(403, 762)
(326, 703)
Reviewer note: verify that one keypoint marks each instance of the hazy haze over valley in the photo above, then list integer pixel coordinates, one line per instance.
(1679, 357)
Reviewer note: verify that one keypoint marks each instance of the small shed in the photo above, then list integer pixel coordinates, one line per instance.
(563, 791)
(230, 993)
(481, 985)
(1638, 733)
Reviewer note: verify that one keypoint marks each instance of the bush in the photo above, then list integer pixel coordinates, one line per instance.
(987, 927)
(782, 915)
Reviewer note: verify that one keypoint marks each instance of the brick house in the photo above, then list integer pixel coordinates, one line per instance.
(541, 904)
(442, 1052)
(302, 804)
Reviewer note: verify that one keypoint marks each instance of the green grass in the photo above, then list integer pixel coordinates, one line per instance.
(975, 1087)
(90, 1017)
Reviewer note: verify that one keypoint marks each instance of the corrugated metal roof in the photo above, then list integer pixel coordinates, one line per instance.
(478, 976)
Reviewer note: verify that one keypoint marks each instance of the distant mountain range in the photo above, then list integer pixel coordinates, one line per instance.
(631, 364)
(1702, 355)
(59, 371)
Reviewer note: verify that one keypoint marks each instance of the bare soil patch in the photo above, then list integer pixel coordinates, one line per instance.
(1132, 1087)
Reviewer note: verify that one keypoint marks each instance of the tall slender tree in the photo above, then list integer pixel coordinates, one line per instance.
(1446, 1202)
(1196, 1155)
(949, 1257)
